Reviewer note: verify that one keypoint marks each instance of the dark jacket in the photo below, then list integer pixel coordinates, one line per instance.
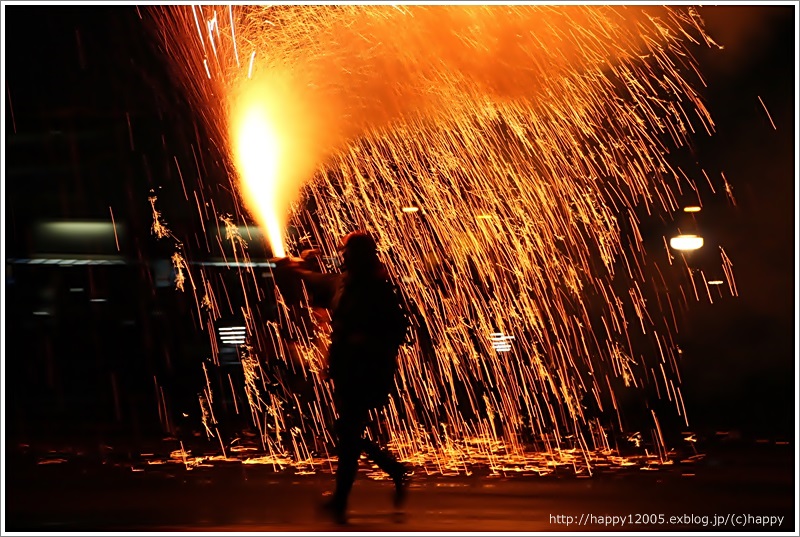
(368, 325)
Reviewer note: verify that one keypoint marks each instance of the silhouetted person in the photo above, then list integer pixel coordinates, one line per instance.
(368, 325)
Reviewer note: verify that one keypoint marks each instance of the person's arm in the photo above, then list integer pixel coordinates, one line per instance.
(321, 286)
(288, 271)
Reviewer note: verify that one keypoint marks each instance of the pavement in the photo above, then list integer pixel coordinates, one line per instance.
(747, 487)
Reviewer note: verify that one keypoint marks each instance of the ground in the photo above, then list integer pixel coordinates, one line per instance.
(745, 486)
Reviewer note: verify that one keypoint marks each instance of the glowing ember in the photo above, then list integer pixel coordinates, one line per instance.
(498, 154)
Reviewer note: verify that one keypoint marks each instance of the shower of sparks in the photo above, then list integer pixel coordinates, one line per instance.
(499, 155)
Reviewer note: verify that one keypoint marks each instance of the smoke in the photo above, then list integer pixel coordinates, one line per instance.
(363, 69)
(355, 69)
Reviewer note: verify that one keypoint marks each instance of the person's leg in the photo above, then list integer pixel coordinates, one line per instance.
(387, 462)
(349, 430)
(384, 458)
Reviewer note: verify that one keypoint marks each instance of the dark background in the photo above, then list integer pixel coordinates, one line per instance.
(93, 125)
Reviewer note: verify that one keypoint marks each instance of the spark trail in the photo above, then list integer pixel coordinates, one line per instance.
(528, 137)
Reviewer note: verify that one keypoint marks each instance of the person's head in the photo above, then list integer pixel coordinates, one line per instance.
(359, 251)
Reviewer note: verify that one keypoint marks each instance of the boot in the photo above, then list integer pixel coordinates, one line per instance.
(401, 481)
(334, 511)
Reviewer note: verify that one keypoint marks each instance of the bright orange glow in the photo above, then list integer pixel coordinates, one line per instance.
(691, 209)
(257, 150)
(410, 209)
(277, 142)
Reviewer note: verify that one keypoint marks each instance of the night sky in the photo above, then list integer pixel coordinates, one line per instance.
(94, 68)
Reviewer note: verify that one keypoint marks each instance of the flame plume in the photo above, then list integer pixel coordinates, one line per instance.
(525, 136)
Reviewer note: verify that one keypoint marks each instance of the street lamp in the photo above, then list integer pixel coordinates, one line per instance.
(686, 242)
